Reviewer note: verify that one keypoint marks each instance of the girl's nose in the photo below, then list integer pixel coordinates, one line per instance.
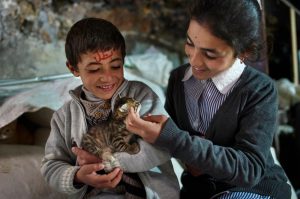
(196, 58)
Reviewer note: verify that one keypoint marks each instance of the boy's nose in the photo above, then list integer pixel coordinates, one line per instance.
(106, 76)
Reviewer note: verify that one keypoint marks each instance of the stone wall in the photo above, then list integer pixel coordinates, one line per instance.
(32, 32)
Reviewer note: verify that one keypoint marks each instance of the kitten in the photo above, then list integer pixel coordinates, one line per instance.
(111, 136)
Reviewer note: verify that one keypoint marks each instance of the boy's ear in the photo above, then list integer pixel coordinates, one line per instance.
(73, 70)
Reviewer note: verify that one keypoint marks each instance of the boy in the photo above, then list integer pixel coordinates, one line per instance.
(95, 51)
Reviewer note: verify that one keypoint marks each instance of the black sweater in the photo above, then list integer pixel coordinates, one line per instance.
(236, 148)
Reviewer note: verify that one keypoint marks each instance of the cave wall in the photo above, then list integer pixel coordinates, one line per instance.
(32, 32)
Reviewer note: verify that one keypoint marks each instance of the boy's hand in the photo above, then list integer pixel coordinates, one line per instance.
(87, 175)
(84, 157)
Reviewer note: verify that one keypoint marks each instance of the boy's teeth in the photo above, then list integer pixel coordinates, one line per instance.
(105, 87)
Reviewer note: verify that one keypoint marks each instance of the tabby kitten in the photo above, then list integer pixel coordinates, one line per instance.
(111, 136)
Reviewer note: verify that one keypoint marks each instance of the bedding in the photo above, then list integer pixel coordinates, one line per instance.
(19, 173)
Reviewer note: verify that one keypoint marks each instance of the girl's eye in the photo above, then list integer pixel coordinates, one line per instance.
(189, 43)
(210, 55)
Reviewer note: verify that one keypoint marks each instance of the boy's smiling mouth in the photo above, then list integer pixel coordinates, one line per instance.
(106, 87)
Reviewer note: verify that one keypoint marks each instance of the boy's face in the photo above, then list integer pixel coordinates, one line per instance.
(101, 72)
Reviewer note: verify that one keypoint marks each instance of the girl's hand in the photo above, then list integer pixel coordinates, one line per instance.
(148, 128)
(193, 170)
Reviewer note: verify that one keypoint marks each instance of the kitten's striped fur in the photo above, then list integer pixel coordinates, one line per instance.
(111, 136)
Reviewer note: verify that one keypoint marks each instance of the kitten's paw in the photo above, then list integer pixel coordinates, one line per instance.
(110, 164)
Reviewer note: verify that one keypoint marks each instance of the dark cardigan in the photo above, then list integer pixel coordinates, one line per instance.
(236, 148)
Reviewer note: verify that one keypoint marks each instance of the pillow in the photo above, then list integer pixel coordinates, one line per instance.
(20, 175)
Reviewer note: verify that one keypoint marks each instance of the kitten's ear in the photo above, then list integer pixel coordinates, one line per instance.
(124, 108)
(72, 69)
(138, 108)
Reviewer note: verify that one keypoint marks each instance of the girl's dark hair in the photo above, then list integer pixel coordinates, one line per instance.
(92, 34)
(237, 22)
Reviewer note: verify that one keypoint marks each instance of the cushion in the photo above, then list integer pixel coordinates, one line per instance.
(20, 175)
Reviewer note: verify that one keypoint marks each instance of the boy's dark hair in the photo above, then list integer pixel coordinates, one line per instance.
(91, 35)
(238, 22)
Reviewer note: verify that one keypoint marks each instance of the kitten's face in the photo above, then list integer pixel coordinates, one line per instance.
(123, 106)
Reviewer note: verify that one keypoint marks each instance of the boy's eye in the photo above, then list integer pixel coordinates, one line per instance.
(116, 67)
(93, 70)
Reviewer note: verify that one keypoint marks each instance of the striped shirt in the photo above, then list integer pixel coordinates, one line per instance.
(208, 95)
(204, 95)
(204, 98)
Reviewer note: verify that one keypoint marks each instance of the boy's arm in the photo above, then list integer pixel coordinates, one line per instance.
(57, 164)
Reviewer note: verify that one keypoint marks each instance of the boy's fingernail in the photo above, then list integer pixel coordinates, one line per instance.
(101, 166)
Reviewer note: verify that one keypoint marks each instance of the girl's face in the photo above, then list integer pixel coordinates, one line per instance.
(208, 55)
(101, 72)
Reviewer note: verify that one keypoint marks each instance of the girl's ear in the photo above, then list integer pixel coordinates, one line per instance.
(72, 69)
(243, 56)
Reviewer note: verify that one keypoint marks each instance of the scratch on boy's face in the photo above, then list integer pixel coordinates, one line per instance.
(101, 55)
